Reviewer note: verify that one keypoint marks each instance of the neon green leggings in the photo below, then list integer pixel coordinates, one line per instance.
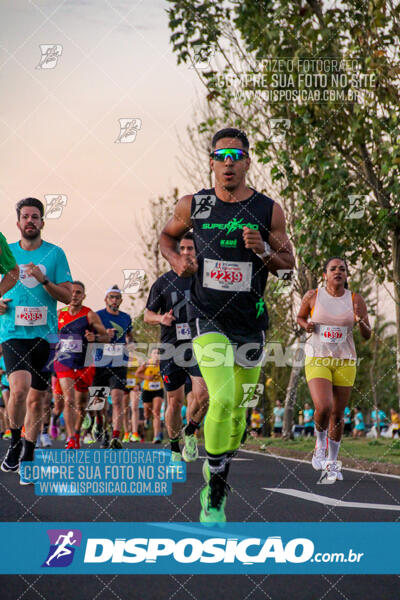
(226, 418)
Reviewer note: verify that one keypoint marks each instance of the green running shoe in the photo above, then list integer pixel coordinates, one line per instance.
(190, 451)
(206, 471)
(175, 464)
(209, 513)
(87, 440)
(87, 422)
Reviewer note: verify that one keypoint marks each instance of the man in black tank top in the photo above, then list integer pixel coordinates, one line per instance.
(240, 236)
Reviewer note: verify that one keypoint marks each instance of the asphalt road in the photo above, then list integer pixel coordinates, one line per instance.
(255, 480)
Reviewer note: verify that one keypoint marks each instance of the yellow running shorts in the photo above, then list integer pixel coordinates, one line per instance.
(339, 371)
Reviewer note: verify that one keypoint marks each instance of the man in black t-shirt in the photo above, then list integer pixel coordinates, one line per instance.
(167, 306)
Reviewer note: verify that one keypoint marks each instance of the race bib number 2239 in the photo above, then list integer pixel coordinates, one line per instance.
(227, 276)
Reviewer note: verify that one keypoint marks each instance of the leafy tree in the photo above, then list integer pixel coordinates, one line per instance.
(332, 150)
(155, 265)
(149, 231)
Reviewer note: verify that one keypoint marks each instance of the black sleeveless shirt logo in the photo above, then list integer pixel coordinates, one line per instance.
(229, 285)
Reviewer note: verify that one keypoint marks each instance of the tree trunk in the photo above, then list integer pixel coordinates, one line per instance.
(375, 400)
(265, 403)
(396, 280)
(307, 280)
(291, 395)
(372, 377)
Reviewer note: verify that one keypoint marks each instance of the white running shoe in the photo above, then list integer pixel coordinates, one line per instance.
(332, 472)
(318, 458)
(22, 478)
(45, 440)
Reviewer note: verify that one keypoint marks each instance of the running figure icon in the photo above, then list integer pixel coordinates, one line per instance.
(62, 549)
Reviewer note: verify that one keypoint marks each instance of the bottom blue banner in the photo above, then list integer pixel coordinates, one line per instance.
(173, 548)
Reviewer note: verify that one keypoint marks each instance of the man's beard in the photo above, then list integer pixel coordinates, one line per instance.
(230, 187)
(31, 234)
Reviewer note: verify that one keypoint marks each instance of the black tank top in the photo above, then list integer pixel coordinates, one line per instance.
(229, 285)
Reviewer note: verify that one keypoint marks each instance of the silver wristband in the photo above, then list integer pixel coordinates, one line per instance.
(267, 251)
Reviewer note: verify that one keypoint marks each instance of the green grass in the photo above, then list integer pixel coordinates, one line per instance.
(380, 450)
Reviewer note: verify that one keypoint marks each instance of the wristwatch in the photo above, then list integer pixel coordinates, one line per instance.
(267, 251)
(45, 281)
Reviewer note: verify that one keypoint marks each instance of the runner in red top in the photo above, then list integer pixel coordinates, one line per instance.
(77, 326)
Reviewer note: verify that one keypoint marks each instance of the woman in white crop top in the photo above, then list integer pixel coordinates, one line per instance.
(330, 363)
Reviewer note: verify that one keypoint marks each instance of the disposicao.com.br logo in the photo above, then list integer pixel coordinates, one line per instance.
(191, 550)
(214, 550)
(105, 548)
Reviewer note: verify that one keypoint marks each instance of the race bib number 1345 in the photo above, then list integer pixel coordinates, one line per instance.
(182, 331)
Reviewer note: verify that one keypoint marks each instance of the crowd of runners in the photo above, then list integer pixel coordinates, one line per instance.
(222, 244)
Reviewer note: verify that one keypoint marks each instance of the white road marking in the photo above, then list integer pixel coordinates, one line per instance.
(308, 462)
(332, 501)
(240, 459)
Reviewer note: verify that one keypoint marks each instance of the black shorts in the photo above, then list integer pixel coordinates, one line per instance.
(248, 349)
(174, 376)
(28, 355)
(5, 388)
(2, 405)
(347, 428)
(256, 429)
(112, 377)
(277, 429)
(309, 430)
(135, 388)
(149, 395)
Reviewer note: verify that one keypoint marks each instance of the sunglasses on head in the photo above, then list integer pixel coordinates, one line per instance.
(233, 153)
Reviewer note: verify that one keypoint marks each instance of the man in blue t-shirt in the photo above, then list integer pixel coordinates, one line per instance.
(359, 425)
(308, 415)
(28, 322)
(278, 413)
(382, 418)
(111, 361)
(347, 421)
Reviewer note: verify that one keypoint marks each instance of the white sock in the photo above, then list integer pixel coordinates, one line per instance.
(333, 449)
(321, 438)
